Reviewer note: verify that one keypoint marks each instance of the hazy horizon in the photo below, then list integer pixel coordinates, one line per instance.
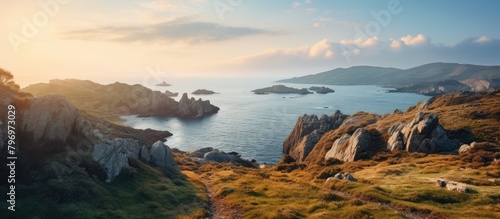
(105, 41)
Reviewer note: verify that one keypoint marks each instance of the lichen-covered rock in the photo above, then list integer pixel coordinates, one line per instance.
(307, 132)
(350, 148)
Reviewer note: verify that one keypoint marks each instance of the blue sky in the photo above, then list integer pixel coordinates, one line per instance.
(90, 39)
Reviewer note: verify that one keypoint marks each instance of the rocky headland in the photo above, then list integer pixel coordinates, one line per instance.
(118, 99)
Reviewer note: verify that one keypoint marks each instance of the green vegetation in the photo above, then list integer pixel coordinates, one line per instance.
(139, 192)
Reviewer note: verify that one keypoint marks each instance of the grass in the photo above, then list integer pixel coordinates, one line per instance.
(270, 193)
(143, 193)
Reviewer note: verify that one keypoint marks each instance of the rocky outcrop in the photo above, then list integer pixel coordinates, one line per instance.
(113, 155)
(342, 176)
(307, 132)
(351, 147)
(478, 85)
(203, 92)
(422, 134)
(171, 94)
(206, 155)
(48, 118)
(121, 99)
(191, 108)
(321, 90)
(281, 89)
(161, 156)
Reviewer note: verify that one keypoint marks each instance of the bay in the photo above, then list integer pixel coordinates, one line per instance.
(256, 125)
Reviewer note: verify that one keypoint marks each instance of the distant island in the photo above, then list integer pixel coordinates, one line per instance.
(171, 94)
(203, 92)
(321, 90)
(430, 79)
(163, 84)
(281, 89)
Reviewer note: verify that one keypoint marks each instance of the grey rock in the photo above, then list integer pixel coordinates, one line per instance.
(350, 148)
(465, 147)
(425, 104)
(307, 132)
(396, 139)
(161, 156)
(145, 155)
(349, 177)
(200, 153)
(338, 176)
(422, 134)
(456, 186)
(208, 154)
(113, 155)
(49, 118)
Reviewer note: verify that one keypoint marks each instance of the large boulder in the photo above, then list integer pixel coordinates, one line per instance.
(307, 132)
(113, 155)
(191, 108)
(350, 148)
(48, 118)
(161, 156)
(422, 134)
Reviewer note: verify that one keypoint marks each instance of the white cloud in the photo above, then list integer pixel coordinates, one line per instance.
(372, 51)
(483, 39)
(322, 48)
(396, 44)
(361, 42)
(296, 4)
(308, 1)
(410, 40)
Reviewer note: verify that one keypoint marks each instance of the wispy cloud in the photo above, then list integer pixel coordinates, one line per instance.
(174, 30)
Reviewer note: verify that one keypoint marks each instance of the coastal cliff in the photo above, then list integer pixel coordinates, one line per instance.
(117, 99)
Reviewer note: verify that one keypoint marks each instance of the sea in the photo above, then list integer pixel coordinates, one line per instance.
(255, 126)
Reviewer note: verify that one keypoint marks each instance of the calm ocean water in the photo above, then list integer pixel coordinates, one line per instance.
(256, 125)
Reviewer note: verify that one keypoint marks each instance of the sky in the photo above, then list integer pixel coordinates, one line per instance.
(110, 40)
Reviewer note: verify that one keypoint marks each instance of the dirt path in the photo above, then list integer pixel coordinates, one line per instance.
(218, 208)
(407, 213)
